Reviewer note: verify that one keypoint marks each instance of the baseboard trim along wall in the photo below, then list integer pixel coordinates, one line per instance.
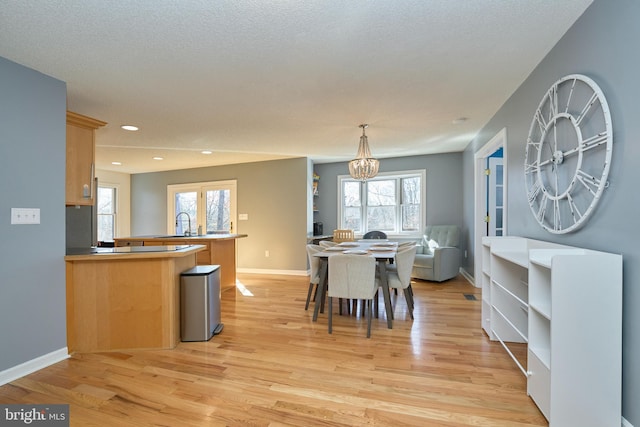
(467, 276)
(626, 423)
(307, 272)
(267, 271)
(33, 365)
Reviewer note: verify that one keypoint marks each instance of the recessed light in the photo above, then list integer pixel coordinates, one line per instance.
(129, 128)
(116, 163)
(158, 158)
(206, 152)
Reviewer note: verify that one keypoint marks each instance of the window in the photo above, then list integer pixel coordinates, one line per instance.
(391, 202)
(210, 205)
(106, 213)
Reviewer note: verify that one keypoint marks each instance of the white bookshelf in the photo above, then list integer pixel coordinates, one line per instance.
(565, 303)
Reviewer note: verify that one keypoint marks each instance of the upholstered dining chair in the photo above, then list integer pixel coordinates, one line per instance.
(352, 277)
(326, 243)
(340, 236)
(314, 264)
(399, 274)
(375, 235)
(401, 245)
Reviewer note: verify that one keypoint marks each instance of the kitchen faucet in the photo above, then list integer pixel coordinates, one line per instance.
(188, 232)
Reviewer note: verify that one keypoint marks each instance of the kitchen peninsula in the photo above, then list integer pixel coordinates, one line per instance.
(220, 249)
(125, 298)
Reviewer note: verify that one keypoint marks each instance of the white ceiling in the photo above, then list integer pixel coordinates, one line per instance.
(255, 80)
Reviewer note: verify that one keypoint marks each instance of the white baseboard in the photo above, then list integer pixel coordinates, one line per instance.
(626, 423)
(467, 276)
(33, 365)
(267, 271)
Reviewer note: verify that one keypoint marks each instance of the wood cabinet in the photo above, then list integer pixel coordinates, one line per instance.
(218, 251)
(125, 301)
(80, 178)
(565, 304)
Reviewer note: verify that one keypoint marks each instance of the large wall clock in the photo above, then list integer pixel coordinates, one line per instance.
(568, 154)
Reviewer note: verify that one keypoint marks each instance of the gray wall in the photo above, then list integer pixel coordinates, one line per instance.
(32, 175)
(274, 194)
(277, 197)
(602, 46)
(444, 187)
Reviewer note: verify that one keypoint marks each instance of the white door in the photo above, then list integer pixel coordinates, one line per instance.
(495, 196)
(205, 207)
(220, 204)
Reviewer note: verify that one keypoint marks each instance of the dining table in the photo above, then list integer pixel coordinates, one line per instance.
(383, 250)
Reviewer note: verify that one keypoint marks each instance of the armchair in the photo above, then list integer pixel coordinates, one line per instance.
(438, 255)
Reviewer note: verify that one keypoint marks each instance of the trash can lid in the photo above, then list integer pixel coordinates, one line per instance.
(200, 270)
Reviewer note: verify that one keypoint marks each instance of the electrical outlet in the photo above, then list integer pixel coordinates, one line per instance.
(465, 253)
(266, 254)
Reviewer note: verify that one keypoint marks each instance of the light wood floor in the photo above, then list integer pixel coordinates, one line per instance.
(273, 366)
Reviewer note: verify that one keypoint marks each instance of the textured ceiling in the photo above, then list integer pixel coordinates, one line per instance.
(256, 80)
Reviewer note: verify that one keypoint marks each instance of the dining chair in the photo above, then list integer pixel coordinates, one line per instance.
(326, 243)
(375, 234)
(314, 264)
(340, 236)
(352, 277)
(399, 274)
(401, 245)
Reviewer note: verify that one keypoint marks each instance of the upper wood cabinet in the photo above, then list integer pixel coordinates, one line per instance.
(81, 158)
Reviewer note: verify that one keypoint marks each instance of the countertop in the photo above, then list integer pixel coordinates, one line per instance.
(213, 236)
(77, 254)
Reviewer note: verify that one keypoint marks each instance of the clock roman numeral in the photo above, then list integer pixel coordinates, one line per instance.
(573, 85)
(534, 191)
(557, 222)
(542, 123)
(587, 107)
(575, 212)
(591, 183)
(531, 167)
(535, 144)
(553, 102)
(542, 209)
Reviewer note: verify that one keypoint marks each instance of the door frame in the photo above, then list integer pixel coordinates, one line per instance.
(201, 187)
(480, 195)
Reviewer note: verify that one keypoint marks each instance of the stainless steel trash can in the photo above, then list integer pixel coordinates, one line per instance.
(200, 303)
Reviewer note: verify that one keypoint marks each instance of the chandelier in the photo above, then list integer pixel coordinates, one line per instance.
(363, 167)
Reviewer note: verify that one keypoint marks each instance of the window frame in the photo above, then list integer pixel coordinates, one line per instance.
(396, 175)
(201, 188)
(115, 188)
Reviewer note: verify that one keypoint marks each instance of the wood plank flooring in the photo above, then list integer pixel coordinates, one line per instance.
(273, 366)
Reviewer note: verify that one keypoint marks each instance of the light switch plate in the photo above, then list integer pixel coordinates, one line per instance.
(25, 216)
(243, 217)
